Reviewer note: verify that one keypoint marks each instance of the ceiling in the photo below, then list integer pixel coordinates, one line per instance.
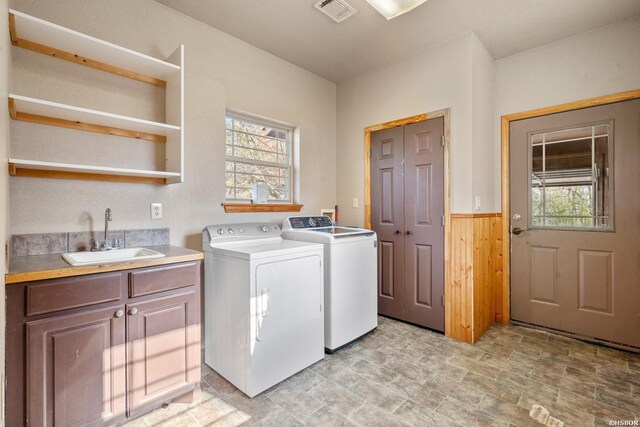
(295, 31)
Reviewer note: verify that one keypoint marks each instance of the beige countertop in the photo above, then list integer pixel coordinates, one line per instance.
(42, 267)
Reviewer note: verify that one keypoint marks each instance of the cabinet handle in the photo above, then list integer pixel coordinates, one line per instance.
(395, 233)
(119, 313)
(408, 233)
(133, 311)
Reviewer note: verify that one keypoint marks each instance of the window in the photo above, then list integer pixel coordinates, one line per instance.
(257, 152)
(572, 178)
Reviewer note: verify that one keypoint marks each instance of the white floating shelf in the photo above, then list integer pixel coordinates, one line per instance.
(102, 170)
(48, 34)
(40, 107)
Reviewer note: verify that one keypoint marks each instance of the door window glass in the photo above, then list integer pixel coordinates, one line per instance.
(571, 178)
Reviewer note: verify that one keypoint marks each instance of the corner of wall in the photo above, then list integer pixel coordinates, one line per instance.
(483, 95)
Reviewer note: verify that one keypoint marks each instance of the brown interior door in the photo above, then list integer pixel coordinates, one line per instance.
(424, 228)
(387, 217)
(575, 204)
(407, 205)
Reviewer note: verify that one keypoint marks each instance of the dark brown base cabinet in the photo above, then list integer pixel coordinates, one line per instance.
(103, 348)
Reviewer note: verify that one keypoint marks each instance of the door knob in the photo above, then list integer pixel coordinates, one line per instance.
(119, 313)
(517, 230)
(133, 311)
(395, 233)
(408, 233)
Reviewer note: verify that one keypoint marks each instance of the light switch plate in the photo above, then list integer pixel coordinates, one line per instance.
(156, 210)
(478, 203)
(354, 202)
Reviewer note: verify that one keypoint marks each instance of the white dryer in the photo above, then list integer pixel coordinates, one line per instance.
(351, 276)
(263, 302)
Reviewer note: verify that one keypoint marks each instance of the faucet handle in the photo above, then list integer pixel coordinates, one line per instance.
(95, 245)
(116, 244)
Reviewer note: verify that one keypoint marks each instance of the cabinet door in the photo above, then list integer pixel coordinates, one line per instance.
(163, 342)
(76, 368)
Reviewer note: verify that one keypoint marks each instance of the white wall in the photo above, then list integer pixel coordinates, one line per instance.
(438, 79)
(221, 72)
(483, 86)
(597, 63)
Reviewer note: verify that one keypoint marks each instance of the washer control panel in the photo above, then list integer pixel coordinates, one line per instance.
(229, 232)
(309, 221)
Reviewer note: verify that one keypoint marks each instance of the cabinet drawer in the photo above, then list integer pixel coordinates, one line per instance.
(152, 280)
(63, 294)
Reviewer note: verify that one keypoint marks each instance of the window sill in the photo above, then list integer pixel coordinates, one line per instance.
(260, 207)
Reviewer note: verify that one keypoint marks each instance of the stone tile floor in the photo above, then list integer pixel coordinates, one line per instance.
(404, 375)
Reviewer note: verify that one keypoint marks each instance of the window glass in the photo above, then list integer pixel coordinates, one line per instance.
(571, 178)
(257, 152)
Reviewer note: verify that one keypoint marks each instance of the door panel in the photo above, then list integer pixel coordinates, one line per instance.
(424, 230)
(593, 273)
(287, 294)
(386, 269)
(163, 349)
(387, 217)
(544, 274)
(424, 288)
(82, 357)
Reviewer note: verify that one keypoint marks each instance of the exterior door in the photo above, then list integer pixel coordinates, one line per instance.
(575, 232)
(387, 217)
(163, 349)
(76, 369)
(407, 206)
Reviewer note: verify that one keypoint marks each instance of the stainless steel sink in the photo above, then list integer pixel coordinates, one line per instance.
(113, 256)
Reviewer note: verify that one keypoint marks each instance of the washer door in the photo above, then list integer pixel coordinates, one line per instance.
(288, 294)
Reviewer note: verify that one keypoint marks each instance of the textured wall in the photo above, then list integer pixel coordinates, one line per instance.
(221, 72)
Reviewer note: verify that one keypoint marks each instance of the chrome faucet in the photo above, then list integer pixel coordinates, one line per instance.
(107, 218)
(106, 245)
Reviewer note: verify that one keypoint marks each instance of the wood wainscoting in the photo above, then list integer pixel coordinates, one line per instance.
(473, 293)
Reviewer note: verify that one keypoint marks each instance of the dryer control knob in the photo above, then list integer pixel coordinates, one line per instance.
(240, 230)
(264, 228)
(220, 231)
(231, 231)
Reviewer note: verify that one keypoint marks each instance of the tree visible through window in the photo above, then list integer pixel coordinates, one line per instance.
(571, 178)
(257, 152)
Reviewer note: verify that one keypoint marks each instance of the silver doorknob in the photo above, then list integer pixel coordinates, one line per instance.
(119, 313)
(133, 311)
(517, 230)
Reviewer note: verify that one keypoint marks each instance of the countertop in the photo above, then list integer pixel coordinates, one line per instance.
(43, 267)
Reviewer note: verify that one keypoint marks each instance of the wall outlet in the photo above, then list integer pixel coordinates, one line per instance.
(354, 202)
(156, 210)
(478, 204)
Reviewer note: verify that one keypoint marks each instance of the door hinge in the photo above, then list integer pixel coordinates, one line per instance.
(443, 300)
(442, 140)
(370, 152)
(443, 220)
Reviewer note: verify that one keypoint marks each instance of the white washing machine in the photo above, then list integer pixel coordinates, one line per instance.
(263, 301)
(350, 271)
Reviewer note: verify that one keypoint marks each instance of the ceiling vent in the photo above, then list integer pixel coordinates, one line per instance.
(338, 10)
